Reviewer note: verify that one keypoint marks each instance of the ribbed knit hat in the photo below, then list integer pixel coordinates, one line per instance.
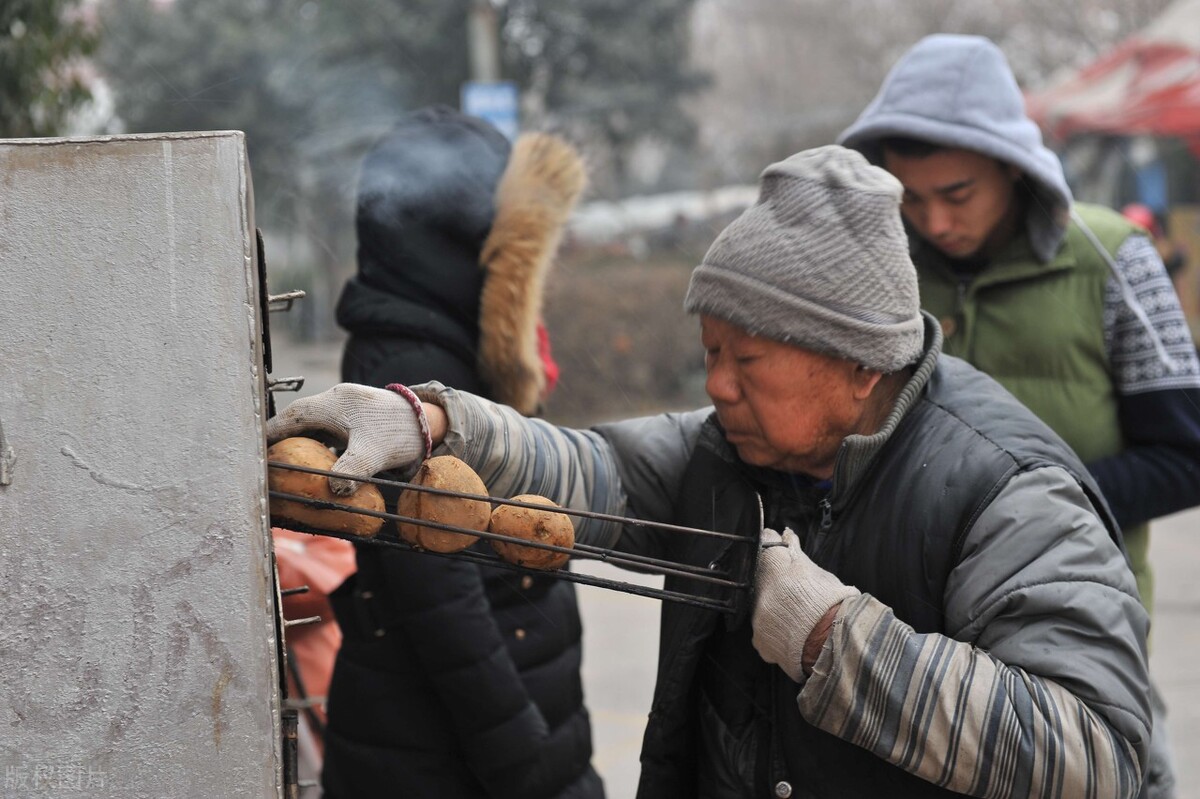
(819, 261)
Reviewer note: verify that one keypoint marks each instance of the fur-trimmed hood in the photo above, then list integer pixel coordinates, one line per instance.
(540, 187)
(457, 231)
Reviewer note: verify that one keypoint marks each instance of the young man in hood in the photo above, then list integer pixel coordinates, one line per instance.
(1067, 305)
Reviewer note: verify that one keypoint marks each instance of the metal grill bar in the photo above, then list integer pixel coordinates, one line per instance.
(708, 603)
(586, 514)
(664, 567)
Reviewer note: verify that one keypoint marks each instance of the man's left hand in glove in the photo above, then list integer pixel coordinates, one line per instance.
(794, 598)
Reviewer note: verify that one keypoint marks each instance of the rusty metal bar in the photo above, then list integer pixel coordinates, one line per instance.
(586, 514)
(285, 383)
(708, 603)
(290, 721)
(664, 567)
(283, 302)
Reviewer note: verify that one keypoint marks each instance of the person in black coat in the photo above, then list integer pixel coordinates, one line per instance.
(456, 680)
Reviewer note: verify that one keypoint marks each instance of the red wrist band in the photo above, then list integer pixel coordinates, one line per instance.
(419, 409)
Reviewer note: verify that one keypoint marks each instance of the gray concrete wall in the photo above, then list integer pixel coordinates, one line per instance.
(137, 647)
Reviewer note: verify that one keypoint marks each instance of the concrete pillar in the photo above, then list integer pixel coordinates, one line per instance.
(137, 607)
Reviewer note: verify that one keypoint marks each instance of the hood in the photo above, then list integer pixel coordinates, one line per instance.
(425, 205)
(366, 311)
(959, 92)
(457, 231)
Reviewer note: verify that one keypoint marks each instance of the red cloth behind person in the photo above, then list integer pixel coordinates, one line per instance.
(321, 563)
(1143, 215)
(548, 363)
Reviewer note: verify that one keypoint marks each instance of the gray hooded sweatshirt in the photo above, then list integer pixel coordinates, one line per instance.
(959, 92)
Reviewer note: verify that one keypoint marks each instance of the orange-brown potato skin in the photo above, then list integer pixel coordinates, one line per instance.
(544, 527)
(451, 474)
(313, 454)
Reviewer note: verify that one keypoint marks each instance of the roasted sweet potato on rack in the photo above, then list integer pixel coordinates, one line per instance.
(315, 455)
(447, 473)
(531, 524)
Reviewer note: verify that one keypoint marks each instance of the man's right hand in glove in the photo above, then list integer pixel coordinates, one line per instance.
(382, 428)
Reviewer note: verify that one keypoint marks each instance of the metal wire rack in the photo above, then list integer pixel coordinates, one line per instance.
(732, 587)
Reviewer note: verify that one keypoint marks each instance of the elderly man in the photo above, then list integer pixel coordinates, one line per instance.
(941, 604)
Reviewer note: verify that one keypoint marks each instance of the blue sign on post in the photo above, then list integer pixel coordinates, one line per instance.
(495, 101)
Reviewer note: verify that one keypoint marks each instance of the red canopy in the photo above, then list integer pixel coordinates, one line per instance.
(1149, 84)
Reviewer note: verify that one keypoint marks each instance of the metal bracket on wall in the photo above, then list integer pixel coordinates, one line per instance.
(8, 460)
(283, 302)
(285, 383)
(290, 721)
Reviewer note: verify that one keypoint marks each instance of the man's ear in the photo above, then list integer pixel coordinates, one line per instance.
(863, 381)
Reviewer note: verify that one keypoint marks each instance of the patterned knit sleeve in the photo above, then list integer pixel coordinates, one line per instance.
(1137, 362)
(1157, 380)
(1039, 686)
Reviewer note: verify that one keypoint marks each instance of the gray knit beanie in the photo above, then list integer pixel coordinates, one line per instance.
(819, 261)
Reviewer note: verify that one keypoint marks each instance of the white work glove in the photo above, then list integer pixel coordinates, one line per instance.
(791, 595)
(382, 428)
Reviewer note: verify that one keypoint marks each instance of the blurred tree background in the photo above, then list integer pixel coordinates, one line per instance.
(314, 82)
(42, 73)
(661, 96)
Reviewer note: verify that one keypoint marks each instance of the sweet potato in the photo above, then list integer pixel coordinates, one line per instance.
(315, 455)
(448, 473)
(531, 524)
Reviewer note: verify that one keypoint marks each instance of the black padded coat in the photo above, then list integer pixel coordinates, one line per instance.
(453, 680)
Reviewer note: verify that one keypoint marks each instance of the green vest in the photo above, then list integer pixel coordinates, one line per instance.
(1038, 329)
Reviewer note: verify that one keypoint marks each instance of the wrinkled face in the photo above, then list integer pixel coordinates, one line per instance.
(782, 407)
(959, 201)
